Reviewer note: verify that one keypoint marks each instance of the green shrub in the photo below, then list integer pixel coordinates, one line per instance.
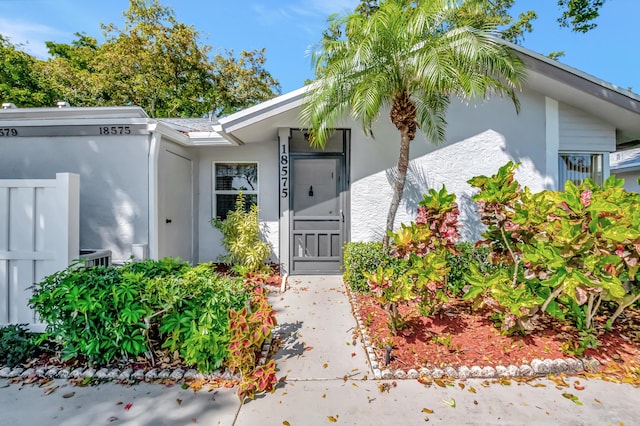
(108, 313)
(361, 257)
(16, 345)
(459, 265)
(241, 238)
(195, 320)
(94, 311)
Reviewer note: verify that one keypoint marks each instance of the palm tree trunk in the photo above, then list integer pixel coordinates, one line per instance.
(398, 189)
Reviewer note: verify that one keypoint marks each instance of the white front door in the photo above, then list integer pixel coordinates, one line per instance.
(177, 218)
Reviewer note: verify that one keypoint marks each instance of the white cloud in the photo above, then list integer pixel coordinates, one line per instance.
(271, 16)
(31, 36)
(314, 12)
(334, 6)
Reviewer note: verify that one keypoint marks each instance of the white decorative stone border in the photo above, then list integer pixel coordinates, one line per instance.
(110, 374)
(117, 374)
(536, 368)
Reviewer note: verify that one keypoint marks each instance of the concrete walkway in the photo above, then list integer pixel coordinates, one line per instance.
(317, 354)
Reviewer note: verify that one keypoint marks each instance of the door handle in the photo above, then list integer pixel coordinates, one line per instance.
(342, 215)
(168, 221)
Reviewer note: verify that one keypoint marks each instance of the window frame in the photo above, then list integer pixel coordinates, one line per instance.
(215, 192)
(604, 164)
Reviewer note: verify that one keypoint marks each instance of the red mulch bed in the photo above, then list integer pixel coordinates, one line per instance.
(458, 336)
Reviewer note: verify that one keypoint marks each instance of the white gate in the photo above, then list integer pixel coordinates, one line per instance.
(39, 235)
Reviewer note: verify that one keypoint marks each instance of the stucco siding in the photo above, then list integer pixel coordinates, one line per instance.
(479, 140)
(266, 155)
(113, 182)
(579, 131)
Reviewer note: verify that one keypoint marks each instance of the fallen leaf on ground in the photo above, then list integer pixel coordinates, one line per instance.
(472, 390)
(179, 401)
(325, 365)
(332, 419)
(572, 398)
(427, 411)
(384, 387)
(286, 423)
(68, 394)
(112, 419)
(461, 386)
(451, 403)
(128, 406)
(47, 391)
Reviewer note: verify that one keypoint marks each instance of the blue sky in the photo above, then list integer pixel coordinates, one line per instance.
(288, 28)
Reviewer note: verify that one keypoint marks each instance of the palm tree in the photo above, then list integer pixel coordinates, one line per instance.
(412, 58)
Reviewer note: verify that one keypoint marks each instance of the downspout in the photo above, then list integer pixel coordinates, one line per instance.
(154, 227)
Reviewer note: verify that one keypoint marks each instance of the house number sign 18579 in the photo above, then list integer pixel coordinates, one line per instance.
(8, 131)
(284, 171)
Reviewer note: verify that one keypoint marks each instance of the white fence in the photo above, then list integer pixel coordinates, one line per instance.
(39, 235)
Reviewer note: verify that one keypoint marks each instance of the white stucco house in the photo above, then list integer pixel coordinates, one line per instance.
(149, 187)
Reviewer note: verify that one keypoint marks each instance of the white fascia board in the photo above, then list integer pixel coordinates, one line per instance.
(190, 139)
(209, 139)
(73, 113)
(626, 168)
(633, 99)
(79, 121)
(262, 111)
(171, 134)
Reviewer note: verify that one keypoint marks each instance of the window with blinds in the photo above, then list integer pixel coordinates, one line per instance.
(229, 180)
(578, 167)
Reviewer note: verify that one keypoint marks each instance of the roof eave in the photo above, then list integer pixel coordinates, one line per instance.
(260, 112)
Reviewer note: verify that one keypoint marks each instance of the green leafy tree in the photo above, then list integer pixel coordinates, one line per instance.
(153, 61)
(157, 62)
(579, 15)
(70, 73)
(238, 82)
(413, 58)
(20, 78)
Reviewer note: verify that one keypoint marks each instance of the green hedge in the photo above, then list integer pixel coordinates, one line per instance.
(360, 257)
(459, 265)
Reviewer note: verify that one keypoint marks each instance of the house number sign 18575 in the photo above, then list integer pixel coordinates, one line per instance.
(284, 171)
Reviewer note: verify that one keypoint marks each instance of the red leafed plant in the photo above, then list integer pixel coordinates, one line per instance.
(262, 379)
(250, 327)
